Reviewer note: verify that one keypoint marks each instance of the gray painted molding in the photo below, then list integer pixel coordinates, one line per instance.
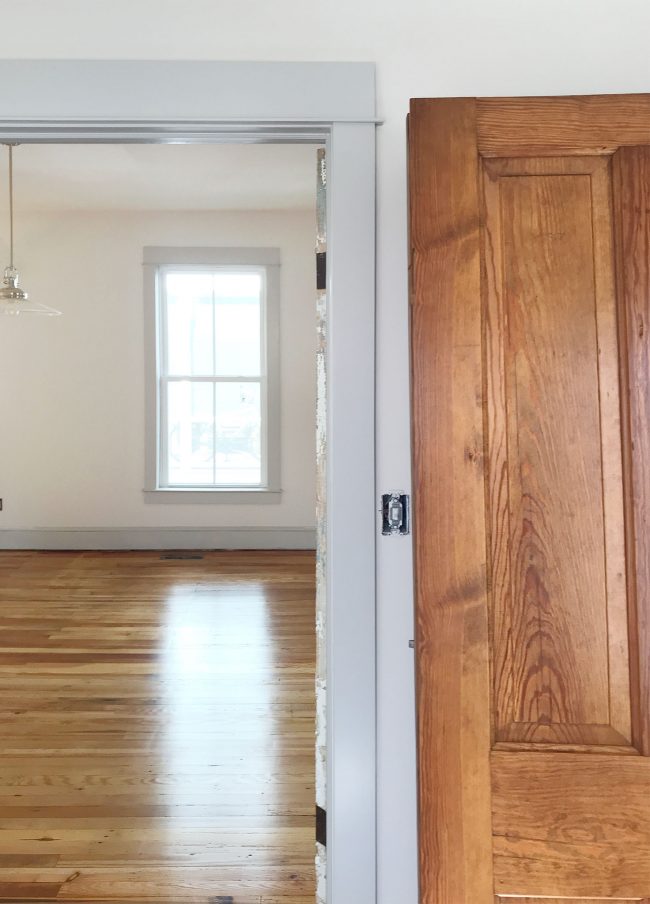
(219, 256)
(172, 496)
(145, 91)
(159, 538)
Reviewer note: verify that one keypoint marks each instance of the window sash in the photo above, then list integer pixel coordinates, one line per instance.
(165, 482)
(161, 305)
(164, 378)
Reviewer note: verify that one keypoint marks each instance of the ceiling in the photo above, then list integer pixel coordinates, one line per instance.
(58, 177)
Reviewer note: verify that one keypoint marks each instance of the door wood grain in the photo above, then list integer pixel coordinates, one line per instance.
(571, 824)
(530, 335)
(557, 538)
(631, 169)
(452, 689)
(531, 126)
(508, 900)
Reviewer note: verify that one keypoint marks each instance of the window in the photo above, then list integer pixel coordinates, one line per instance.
(214, 372)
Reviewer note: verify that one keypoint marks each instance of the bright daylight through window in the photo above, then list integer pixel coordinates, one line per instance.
(212, 377)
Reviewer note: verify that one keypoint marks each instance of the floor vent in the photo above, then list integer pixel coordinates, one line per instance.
(183, 555)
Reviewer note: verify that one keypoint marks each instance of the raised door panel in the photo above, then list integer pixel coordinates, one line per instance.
(557, 568)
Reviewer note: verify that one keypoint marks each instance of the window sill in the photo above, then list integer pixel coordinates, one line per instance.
(252, 496)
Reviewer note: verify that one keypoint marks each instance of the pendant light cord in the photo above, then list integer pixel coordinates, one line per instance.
(11, 206)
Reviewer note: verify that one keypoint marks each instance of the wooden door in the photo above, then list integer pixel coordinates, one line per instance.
(530, 310)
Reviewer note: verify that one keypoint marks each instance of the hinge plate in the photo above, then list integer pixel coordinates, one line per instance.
(395, 514)
(321, 826)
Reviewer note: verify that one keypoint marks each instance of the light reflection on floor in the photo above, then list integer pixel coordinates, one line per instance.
(158, 727)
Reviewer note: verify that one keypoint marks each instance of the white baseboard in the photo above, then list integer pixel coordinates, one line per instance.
(159, 538)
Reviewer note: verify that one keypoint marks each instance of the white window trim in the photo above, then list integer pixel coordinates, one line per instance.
(157, 260)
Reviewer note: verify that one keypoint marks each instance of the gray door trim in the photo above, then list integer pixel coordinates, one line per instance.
(118, 101)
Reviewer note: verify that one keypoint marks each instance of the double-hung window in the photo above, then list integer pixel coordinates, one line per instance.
(214, 314)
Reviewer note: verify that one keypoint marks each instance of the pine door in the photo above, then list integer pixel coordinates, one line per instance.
(530, 328)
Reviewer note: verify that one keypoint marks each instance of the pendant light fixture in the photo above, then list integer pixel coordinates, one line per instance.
(13, 299)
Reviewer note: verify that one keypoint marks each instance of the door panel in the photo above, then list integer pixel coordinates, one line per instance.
(530, 326)
(555, 503)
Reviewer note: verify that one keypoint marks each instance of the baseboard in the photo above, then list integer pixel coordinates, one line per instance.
(160, 538)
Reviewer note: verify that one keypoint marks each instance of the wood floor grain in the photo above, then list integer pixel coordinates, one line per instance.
(157, 728)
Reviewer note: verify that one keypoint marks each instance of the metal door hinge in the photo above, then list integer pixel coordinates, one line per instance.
(321, 826)
(395, 514)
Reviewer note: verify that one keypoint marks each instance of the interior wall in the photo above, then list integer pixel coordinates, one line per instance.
(72, 450)
(422, 48)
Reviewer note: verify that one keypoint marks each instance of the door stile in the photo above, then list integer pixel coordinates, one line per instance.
(452, 669)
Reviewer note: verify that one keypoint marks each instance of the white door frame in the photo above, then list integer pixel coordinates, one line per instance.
(119, 101)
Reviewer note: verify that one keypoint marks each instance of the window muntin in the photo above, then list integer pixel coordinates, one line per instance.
(212, 377)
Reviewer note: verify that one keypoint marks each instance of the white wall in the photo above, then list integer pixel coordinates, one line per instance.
(77, 459)
(422, 48)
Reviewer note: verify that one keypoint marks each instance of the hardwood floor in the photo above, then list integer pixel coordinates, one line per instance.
(157, 727)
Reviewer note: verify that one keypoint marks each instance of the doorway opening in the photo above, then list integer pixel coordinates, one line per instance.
(159, 592)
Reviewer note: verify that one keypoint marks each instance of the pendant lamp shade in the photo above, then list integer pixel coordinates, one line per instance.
(13, 298)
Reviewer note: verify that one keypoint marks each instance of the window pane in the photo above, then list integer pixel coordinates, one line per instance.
(238, 457)
(190, 433)
(237, 323)
(190, 346)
